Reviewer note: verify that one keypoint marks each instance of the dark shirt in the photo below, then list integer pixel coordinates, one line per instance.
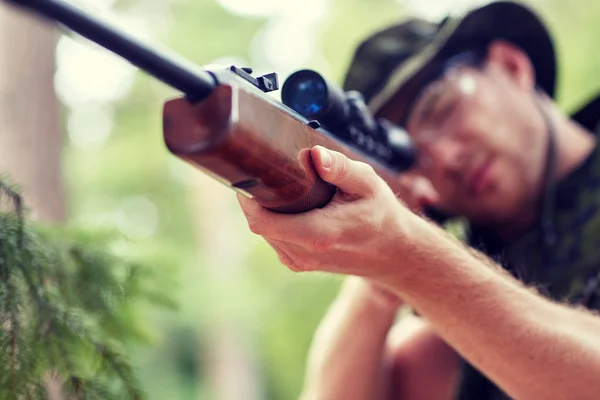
(564, 266)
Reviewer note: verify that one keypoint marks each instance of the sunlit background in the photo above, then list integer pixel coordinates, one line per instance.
(244, 322)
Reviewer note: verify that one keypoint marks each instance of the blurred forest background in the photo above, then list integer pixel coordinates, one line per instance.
(82, 135)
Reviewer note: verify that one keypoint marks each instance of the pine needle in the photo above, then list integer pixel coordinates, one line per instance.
(65, 303)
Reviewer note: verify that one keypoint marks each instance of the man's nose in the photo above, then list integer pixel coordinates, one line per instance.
(449, 154)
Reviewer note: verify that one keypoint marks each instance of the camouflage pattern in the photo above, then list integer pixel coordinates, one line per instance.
(562, 269)
(568, 268)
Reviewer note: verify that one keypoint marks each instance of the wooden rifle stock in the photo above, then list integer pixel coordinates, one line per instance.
(255, 148)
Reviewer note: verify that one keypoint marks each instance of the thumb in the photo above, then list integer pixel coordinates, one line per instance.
(351, 177)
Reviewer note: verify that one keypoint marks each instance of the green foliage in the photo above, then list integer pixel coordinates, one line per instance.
(67, 310)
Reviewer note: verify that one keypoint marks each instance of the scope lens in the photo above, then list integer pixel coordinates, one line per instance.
(306, 93)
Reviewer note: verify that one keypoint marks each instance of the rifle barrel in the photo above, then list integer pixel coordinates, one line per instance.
(193, 81)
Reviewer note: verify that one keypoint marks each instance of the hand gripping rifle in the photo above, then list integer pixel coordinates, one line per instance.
(227, 126)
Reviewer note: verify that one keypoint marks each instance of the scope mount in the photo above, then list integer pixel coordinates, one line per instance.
(375, 137)
(267, 83)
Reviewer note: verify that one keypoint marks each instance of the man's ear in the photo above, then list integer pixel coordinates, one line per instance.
(509, 60)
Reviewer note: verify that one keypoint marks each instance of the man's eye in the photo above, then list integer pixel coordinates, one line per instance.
(442, 108)
(427, 102)
(425, 162)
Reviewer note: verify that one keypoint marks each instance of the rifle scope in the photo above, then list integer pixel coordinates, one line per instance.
(310, 95)
(346, 115)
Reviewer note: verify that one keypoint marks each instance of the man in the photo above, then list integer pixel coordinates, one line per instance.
(475, 95)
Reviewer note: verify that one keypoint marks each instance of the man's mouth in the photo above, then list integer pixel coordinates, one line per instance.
(479, 177)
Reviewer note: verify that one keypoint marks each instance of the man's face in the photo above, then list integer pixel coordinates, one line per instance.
(478, 136)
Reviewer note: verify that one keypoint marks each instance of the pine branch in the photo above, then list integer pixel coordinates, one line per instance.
(13, 330)
(65, 299)
(11, 324)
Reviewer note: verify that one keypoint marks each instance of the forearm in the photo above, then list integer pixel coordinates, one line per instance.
(531, 347)
(346, 356)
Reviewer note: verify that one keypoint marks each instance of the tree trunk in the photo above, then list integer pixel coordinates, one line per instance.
(30, 136)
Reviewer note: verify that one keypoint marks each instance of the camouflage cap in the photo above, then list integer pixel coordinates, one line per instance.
(395, 63)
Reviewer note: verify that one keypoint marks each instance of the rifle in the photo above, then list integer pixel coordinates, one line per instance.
(227, 126)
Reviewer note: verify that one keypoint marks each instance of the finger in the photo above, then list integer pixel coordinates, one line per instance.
(303, 259)
(290, 228)
(250, 207)
(351, 177)
(284, 256)
(278, 247)
(261, 221)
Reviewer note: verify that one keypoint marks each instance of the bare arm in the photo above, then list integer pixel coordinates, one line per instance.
(346, 356)
(354, 358)
(530, 346)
